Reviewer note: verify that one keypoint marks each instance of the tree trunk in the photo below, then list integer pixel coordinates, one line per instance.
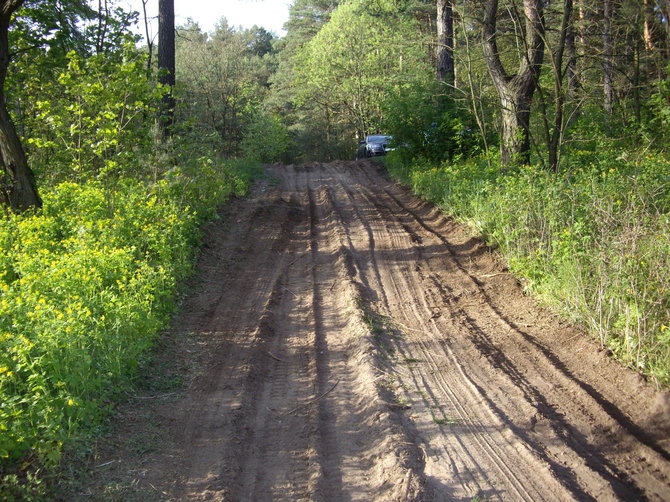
(574, 82)
(103, 22)
(18, 189)
(665, 10)
(637, 104)
(514, 138)
(166, 61)
(150, 42)
(648, 30)
(445, 42)
(608, 52)
(583, 39)
(515, 92)
(559, 99)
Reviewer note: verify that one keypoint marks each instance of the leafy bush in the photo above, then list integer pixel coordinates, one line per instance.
(90, 122)
(266, 138)
(85, 285)
(660, 101)
(428, 125)
(595, 240)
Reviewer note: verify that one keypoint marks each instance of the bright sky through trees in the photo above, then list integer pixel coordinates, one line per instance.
(270, 14)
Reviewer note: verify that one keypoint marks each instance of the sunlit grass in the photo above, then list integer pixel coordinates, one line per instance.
(86, 284)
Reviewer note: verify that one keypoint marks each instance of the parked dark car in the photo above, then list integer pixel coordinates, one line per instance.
(373, 146)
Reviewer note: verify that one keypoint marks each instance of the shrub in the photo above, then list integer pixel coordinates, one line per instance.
(85, 285)
(90, 122)
(266, 139)
(427, 125)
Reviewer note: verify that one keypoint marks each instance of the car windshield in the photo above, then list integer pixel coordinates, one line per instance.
(378, 139)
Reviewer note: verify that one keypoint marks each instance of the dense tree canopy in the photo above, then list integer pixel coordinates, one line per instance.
(533, 74)
(361, 55)
(224, 80)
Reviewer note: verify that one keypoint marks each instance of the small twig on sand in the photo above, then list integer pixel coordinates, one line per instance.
(274, 357)
(312, 401)
(295, 259)
(107, 463)
(488, 276)
(399, 406)
(159, 491)
(408, 328)
(154, 397)
(396, 372)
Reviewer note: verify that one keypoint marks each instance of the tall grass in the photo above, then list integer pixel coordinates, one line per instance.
(86, 283)
(594, 240)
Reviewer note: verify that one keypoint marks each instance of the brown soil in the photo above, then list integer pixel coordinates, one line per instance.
(344, 340)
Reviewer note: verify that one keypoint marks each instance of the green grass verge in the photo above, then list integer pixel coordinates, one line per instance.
(86, 284)
(593, 240)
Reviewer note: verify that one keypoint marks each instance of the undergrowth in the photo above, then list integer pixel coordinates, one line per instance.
(593, 240)
(86, 283)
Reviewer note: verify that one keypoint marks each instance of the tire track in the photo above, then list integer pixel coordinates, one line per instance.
(286, 380)
(330, 478)
(421, 382)
(606, 405)
(621, 484)
(233, 392)
(357, 345)
(356, 400)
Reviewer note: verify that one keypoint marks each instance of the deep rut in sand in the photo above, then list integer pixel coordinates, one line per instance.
(352, 343)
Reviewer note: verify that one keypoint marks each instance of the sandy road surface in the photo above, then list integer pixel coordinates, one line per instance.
(355, 344)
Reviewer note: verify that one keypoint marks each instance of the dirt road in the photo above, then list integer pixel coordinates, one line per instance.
(352, 343)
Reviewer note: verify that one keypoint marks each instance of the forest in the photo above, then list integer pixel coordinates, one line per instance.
(542, 124)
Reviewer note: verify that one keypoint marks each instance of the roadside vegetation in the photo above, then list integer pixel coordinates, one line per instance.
(545, 126)
(90, 278)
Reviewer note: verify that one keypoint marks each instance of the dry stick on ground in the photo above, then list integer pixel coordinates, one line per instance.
(274, 357)
(312, 401)
(159, 491)
(408, 328)
(296, 259)
(154, 397)
(107, 463)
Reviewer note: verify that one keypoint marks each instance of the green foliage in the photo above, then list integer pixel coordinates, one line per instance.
(594, 241)
(85, 285)
(429, 126)
(31, 489)
(342, 75)
(202, 182)
(266, 139)
(87, 282)
(55, 24)
(660, 121)
(62, 26)
(222, 80)
(306, 17)
(91, 121)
